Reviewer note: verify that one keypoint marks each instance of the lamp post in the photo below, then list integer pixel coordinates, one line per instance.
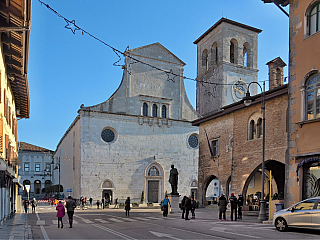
(247, 100)
(57, 167)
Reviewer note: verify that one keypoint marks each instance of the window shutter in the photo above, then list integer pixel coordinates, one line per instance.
(6, 145)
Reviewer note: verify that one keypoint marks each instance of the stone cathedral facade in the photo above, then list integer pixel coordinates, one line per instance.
(126, 145)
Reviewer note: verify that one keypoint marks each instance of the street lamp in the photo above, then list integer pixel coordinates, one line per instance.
(247, 100)
(57, 167)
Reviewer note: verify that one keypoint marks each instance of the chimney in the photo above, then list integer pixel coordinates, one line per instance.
(276, 72)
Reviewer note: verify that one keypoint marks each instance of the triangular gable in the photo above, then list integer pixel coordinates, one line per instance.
(156, 51)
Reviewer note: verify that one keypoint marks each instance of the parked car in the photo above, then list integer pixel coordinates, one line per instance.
(304, 214)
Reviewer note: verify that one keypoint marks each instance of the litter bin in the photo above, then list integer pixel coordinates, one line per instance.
(279, 206)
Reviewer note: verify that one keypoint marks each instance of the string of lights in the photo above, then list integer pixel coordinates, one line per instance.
(171, 75)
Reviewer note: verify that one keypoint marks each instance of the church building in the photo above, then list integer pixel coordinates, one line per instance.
(125, 146)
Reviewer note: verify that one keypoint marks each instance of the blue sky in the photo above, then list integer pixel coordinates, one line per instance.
(67, 70)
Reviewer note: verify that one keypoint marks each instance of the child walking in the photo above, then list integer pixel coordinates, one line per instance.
(60, 213)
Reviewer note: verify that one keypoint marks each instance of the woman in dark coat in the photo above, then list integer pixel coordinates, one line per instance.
(127, 206)
(222, 207)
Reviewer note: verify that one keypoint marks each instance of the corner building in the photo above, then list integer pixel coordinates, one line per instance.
(126, 145)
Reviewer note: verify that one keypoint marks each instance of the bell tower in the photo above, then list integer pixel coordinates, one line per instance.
(226, 63)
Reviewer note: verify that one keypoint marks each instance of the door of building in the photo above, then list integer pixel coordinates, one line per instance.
(153, 191)
(107, 194)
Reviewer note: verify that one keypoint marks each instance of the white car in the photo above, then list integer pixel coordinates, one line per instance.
(305, 214)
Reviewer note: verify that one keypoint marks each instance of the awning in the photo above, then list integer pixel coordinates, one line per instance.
(304, 161)
(15, 180)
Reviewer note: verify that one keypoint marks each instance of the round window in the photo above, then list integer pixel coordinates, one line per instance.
(193, 141)
(107, 135)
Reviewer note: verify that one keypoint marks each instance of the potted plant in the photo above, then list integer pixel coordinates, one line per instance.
(142, 197)
(150, 204)
(135, 205)
(121, 205)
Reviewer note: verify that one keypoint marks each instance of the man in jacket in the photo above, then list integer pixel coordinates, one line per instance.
(188, 207)
(222, 207)
(70, 206)
(233, 203)
(183, 208)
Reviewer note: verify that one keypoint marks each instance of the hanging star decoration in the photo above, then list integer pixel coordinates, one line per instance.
(171, 76)
(72, 25)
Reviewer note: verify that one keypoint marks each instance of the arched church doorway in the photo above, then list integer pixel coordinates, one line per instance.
(107, 191)
(252, 187)
(154, 183)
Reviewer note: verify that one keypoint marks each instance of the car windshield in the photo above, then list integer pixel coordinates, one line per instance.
(305, 205)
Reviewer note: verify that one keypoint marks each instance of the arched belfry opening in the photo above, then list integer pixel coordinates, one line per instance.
(154, 182)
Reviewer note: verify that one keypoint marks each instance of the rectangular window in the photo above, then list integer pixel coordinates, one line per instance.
(215, 147)
(26, 167)
(37, 167)
(48, 167)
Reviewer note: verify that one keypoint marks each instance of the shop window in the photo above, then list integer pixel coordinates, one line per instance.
(311, 180)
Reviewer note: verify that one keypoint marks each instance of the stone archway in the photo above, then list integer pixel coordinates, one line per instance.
(253, 183)
(207, 192)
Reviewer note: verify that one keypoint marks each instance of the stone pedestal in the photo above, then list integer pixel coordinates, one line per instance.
(174, 200)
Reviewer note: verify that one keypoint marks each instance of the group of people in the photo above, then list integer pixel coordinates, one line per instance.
(188, 204)
(33, 204)
(70, 206)
(235, 205)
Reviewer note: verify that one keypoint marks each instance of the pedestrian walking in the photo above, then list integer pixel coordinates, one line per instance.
(70, 206)
(90, 201)
(188, 207)
(240, 205)
(127, 206)
(98, 204)
(222, 207)
(34, 205)
(183, 208)
(233, 203)
(193, 207)
(116, 203)
(60, 213)
(26, 205)
(165, 205)
(103, 202)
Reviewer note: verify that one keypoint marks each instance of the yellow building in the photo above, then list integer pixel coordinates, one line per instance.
(15, 19)
(303, 158)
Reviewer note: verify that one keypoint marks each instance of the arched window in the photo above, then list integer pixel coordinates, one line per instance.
(313, 97)
(153, 171)
(154, 110)
(107, 184)
(259, 128)
(252, 130)
(145, 109)
(205, 60)
(314, 19)
(234, 51)
(163, 111)
(247, 62)
(214, 54)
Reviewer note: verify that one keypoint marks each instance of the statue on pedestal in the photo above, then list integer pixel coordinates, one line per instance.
(173, 180)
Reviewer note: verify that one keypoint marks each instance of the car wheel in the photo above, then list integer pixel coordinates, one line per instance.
(281, 224)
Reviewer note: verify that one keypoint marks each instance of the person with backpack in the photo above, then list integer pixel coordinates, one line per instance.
(233, 203)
